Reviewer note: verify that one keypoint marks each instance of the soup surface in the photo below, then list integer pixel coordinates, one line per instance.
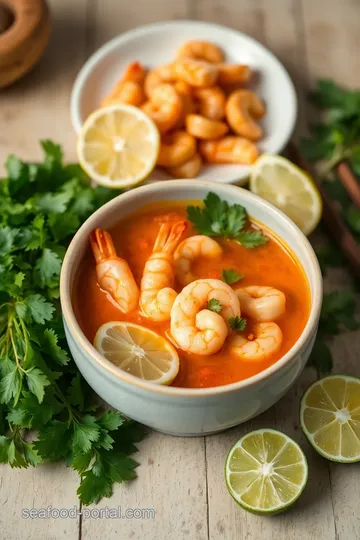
(272, 264)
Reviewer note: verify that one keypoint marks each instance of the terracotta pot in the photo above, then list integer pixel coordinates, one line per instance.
(25, 30)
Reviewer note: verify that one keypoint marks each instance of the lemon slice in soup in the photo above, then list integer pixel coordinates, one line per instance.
(266, 471)
(279, 181)
(330, 417)
(118, 146)
(138, 351)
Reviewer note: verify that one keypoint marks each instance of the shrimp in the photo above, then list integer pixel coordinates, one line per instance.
(212, 102)
(135, 72)
(113, 273)
(189, 169)
(229, 150)
(156, 293)
(184, 91)
(125, 92)
(164, 107)
(193, 72)
(243, 108)
(190, 249)
(201, 50)
(176, 148)
(195, 328)
(202, 128)
(152, 80)
(266, 341)
(262, 304)
(233, 74)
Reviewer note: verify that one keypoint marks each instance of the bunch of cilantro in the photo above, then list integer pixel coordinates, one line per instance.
(47, 411)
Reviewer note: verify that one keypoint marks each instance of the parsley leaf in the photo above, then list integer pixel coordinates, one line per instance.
(231, 276)
(40, 309)
(214, 305)
(237, 323)
(218, 218)
(251, 239)
(47, 266)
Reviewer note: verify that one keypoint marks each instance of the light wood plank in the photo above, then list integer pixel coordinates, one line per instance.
(332, 39)
(171, 481)
(24, 489)
(37, 108)
(172, 477)
(307, 519)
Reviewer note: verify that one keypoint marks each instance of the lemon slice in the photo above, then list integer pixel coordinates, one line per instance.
(138, 351)
(118, 146)
(266, 471)
(282, 183)
(330, 417)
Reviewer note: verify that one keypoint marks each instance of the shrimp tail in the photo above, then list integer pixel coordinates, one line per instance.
(102, 245)
(169, 236)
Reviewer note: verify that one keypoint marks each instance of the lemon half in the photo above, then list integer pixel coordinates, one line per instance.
(279, 181)
(138, 350)
(118, 146)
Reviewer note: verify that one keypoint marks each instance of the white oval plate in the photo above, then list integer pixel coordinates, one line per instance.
(157, 44)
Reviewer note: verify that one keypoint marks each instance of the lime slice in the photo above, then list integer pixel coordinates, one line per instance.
(330, 417)
(282, 183)
(266, 471)
(118, 146)
(138, 351)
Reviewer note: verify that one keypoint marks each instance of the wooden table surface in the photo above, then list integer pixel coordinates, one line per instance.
(182, 479)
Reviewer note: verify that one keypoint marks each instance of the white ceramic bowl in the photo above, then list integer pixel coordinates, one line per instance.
(157, 44)
(182, 411)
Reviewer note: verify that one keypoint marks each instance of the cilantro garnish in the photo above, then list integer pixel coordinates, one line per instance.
(41, 207)
(218, 218)
(231, 276)
(237, 323)
(214, 305)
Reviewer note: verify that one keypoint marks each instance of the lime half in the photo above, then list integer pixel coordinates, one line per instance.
(266, 471)
(330, 417)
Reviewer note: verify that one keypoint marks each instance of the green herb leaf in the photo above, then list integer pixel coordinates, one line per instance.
(251, 239)
(111, 420)
(93, 488)
(85, 434)
(237, 323)
(47, 267)
(214, 305)
(37, 381)
(51, 347)
(10, 385)
(40, 309)
(217, 218)
(231, 276)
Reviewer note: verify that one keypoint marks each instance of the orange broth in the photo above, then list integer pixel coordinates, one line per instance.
(272, 264)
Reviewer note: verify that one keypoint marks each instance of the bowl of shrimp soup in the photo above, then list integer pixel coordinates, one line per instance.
(190, 306)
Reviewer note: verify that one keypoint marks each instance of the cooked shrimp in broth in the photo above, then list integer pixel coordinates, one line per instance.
(261, 303)
(191, 249)
(195, 328)
(113, 273)
(264, 341)
(156, 290)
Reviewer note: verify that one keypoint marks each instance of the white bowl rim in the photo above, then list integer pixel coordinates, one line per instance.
(109, 46)
(172, 391)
